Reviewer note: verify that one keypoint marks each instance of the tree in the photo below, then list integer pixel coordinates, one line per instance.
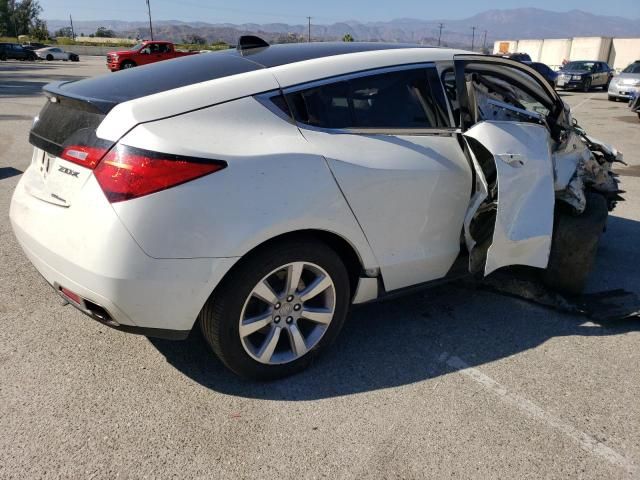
(347, 38)
(4, 18)
(64, 32)
(194, 39)
(23, 15)
(38, 30)
(103, 32)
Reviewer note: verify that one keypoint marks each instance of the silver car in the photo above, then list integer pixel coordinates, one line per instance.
(627, 84)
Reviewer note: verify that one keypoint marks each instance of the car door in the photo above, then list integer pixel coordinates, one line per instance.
(504, 111)
(388, 141)
(146, 55)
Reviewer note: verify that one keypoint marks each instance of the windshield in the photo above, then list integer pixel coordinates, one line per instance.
(633, 68)
(579, 66)
(137, 46)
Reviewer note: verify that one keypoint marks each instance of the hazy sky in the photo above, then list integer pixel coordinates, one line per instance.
(323, 11)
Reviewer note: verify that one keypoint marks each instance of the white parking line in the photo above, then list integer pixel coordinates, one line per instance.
(573, 109)
(585, 441)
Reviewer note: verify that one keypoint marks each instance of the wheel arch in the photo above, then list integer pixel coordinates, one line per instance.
(347, 252)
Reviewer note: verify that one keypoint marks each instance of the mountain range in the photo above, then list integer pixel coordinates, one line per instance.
(499, 24)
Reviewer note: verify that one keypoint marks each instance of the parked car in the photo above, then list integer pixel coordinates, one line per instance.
(520, 57)
(56, 53)
(13, 51)
(257, 193)
(143, 54)
(34, 46)
(584, 75)
(627, 84)
(549, 75)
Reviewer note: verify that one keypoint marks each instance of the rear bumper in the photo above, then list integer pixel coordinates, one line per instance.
(85, 248)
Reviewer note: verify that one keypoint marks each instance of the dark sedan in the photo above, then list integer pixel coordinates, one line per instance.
(544, 70)
(15, 52)
(584, 75)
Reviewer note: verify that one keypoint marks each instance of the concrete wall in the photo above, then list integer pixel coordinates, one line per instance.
(555, 51)
(105, 40)
(590, 48)
(532, 47)
(89, 50)
(618, 52)
(623, 52)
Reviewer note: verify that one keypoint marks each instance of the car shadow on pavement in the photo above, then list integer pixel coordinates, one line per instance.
(8, 172)
(404, 341)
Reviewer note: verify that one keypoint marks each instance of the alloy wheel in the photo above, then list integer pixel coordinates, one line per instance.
(287, 313)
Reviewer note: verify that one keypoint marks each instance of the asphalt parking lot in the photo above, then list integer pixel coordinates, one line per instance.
(452, 382)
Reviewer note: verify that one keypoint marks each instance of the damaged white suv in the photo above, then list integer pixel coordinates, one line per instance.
(261, 191)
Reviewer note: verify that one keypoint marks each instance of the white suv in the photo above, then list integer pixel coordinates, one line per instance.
(263, 190)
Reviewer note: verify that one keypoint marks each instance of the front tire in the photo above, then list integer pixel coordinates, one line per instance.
(587, 85)
(279, 308)
(49, 57)
(127, 64)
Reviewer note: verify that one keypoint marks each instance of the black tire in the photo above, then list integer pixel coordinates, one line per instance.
(574, 245)
(587, 85)
(127, 64)
(49, 57)
(219, 318)
(612, 98)
(3, 57)
(638, 115)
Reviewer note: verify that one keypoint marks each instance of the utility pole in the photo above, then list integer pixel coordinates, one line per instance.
(473, 37)
(309, 33)
(150, 25)
(440, 33)
(484, 42)
(73, 33)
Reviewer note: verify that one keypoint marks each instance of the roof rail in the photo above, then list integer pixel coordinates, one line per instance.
(247, 42)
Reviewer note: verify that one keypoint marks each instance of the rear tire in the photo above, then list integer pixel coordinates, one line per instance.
(235, 300)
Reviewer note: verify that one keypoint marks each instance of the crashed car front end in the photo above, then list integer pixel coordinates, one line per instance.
(543, 186)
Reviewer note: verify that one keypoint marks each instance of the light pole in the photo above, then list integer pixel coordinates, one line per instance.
(309, 31)
(150, 25)
(440, 33)
(473, 37)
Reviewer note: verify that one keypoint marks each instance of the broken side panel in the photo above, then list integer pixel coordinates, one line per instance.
(521, 153)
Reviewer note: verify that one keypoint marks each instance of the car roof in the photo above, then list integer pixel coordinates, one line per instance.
(282, 54)
(106, 91)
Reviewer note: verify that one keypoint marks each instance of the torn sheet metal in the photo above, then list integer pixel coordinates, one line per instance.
(524, 221)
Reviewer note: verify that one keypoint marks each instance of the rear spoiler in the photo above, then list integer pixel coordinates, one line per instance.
(55, 94)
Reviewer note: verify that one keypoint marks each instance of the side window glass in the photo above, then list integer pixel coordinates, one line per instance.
(326, 106)
(448, 79)
(405, 99)
(394, 100)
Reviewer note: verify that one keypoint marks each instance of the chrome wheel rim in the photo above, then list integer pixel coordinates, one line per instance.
(287, 313)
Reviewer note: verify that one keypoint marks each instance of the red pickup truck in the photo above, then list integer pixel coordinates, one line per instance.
(150, 51)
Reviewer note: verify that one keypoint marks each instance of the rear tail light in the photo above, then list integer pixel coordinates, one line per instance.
(125, 172)
(83, 155)
(74, 297)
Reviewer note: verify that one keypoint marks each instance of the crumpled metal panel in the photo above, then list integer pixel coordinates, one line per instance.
(526, 199)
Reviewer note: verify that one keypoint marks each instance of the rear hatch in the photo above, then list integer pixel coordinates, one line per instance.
(62, 124)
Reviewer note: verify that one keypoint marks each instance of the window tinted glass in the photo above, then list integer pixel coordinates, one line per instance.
(401, 99)
(326, 106)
